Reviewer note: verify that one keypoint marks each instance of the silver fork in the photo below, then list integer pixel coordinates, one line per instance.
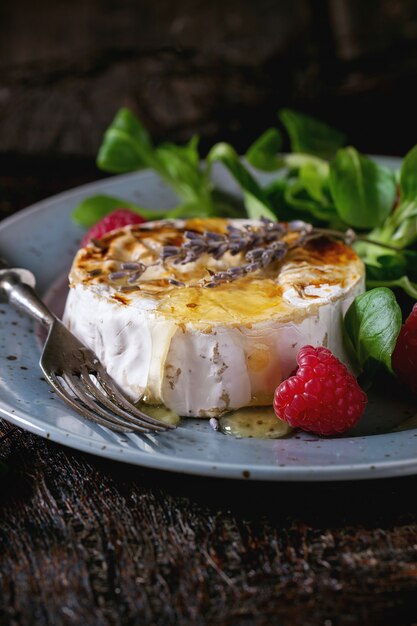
(72, 369)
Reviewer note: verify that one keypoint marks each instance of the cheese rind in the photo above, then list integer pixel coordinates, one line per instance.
(200, 351)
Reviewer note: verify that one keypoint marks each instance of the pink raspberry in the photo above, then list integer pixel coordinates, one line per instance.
(116, 219)
(404, 357)
(322, 397)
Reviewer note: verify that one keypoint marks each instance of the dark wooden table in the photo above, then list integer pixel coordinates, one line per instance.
(88, 541)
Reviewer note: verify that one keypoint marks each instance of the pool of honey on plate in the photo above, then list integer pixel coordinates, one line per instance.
(248, 422)
(254, 422)
(159, 412)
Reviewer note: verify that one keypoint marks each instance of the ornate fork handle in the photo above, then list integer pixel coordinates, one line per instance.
(17, 287)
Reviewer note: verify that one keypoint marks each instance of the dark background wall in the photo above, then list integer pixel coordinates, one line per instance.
(220, 68)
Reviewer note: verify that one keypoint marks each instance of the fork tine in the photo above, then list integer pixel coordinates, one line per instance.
(112, 390)
(62, 356)
(73, 382)
(79, 408)
(101, 397)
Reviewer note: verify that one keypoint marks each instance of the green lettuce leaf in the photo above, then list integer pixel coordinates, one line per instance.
(372, 324)
(363, 191)
(310, 135)
(255, 200)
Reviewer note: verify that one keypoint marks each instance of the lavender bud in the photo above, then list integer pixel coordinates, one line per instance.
(210, 236)
(349, 237)
(190, 234)
(194, 243)
(195, 248)
(235, 248)
(279, 254)
(221, 250)
(238, 238)
(168, 251)
(190, 257)
(276, 227)
(254, 255)
(236, 271)
(278, 245)
(131, 266)
(117, 275)
(267, 257)
(253, 267)
(134, 277)
(299, 225)
(222, 276)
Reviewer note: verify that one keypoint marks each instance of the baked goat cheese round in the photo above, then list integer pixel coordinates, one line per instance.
(207, 315)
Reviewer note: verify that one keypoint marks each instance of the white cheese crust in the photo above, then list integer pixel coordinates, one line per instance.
(200, 351)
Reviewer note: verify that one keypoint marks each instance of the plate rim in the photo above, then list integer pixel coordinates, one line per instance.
(318, 473)
(262, 472)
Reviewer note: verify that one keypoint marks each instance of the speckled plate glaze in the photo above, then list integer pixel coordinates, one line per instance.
(43, 239)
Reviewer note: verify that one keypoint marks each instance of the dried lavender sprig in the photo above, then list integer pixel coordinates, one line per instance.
(236, 240)
(268, 257)
(278, 249)
(261, 247)
(260, 257)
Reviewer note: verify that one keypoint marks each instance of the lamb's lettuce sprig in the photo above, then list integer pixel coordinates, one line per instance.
(347, 189)
(127, 147)
(264, 153)
(400, 227)
(255, 200)
(320, 181)
(387, 267)
(363, 191)
(310, 141)
(310, 136)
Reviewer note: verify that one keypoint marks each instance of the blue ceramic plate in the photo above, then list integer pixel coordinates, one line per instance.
(43, 239)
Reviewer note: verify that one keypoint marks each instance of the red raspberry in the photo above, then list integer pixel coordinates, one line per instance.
(322, 397)
(116, 219)
(404, 357)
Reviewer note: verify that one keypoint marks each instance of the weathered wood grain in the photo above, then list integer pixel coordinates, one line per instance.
(84, 541)
(87, 541)
(219, 68)
(183, 68)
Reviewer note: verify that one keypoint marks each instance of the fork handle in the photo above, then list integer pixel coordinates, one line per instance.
(16, 288)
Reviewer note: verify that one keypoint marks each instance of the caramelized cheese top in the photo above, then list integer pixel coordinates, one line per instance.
(323, 266)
